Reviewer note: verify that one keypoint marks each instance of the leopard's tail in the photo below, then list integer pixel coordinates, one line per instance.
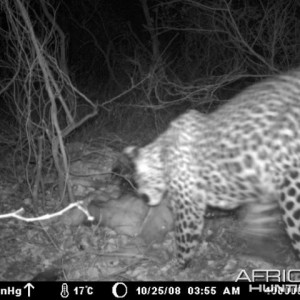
(261, 219)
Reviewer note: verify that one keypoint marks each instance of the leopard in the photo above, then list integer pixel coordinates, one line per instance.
(246, 153)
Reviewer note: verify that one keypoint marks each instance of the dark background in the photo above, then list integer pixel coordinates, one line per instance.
(84, 69)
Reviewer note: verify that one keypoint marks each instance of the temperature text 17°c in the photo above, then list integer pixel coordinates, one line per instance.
(84, 290)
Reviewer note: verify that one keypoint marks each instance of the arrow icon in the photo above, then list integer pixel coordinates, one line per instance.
(28, 286)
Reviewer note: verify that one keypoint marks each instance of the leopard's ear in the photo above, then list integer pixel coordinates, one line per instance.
(131, 151)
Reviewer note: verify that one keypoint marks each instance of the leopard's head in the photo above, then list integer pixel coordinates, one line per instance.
(149, 174)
